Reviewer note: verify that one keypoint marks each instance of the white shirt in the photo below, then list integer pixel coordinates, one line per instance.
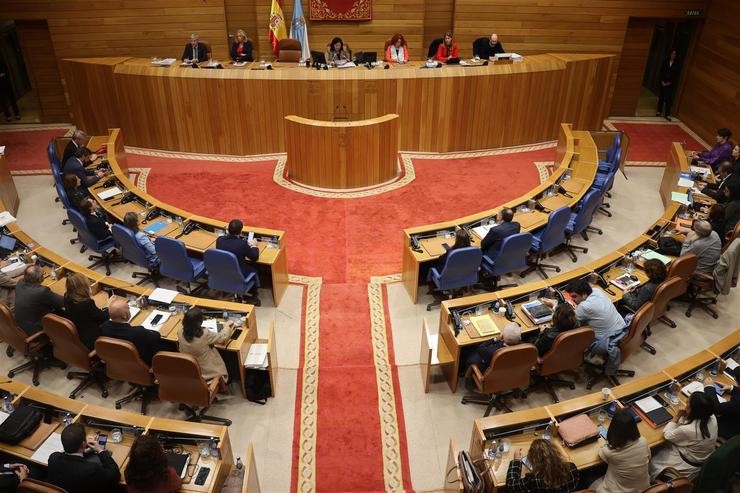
(397, 54)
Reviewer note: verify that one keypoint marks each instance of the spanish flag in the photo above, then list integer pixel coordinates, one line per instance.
(277, 26)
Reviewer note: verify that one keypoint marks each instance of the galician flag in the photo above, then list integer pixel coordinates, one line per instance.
(299, 29)
(277, 25)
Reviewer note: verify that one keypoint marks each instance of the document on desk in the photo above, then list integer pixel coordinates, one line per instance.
(648, 404)
(699, 169)
(153, 228)
(681, 198)
(3, 416)
(731, 365)
(149, 321)
(133, 310)
(6, 218)
(162, 295)
(685, 182)
(111, 192)
(347, 65)
(483, 230)
(51, 445)
(210, 324)
(652, 254)
(692, 387)
(257, 356)
(166, 62)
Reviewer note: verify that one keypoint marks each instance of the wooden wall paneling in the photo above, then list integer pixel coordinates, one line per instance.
(242, 14)
(438, 18)
(43, 71)
(710, 98)
(632, 66)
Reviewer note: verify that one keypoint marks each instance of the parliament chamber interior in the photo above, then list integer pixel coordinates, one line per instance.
(518, 219)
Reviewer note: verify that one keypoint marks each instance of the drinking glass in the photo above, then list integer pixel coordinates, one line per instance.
(699, 376)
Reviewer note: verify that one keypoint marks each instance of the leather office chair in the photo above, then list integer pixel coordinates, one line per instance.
(632, 341)
(434, 46)
(547, 240)
(683, 267)
(69, 348)
(181, 381)
(605, 184)
(32, 347)
(105, 247)
(512, 257)
(290, 50)
(64, 199)
(668, 290)
(460, 271)
(479, 46)
(508, 373)
(123, 363)
(35, 486)
(565, 354)
(580, 221)
(176, 264)
(607, 164)
(134, 253)
(224, 274)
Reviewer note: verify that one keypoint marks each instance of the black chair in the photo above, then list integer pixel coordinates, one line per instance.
(433, 47)
(479, 46)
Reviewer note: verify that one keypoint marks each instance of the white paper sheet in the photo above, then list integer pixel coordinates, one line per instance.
(162, 295)
(257, 356)
(648, 404)
(133, 310)
(147, 324)
(111, 192)
(50, 445)
(6, 218)
(210, 324)
(482, 231)
(683, 182)
(692, 387)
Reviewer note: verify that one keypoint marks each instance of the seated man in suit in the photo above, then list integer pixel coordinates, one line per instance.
(79, 139)
(33, 301)
(147, 342)
(491, 244)
(195, 50)
(725, 177)
(76, 166)
(247, 252)
(79, 471)
(483, 353)
(705, 243)
(97, 226)
(492, 48)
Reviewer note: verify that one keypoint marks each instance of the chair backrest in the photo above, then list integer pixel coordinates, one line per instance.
(9, 330)
(510, 368)
(62, 194)
(130, 248)
(461, 268)
(433, 47)
(567, 351)
(224, 272)
(585, 214)
(174, 260)
(513, 254)
(66, 342)
(683, 267)
(180, 379)
(51, 153)
(554, 233)
(734, 236)
(479, 46)
(636, 332)
(679, 485)
(123, 362)
(290, 50)
(609, 182)
(84, 234)
(667, 290)
(36, 486)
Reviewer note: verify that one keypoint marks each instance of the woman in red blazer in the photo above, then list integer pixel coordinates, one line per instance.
(448, 49)
(397, 51)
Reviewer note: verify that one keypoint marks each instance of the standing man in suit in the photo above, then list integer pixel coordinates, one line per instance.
(668, 80)
(247, 252)
(79, 139)
(195, 50)
(76, 471)
(491, 244)
(33, 301)
(147, 342)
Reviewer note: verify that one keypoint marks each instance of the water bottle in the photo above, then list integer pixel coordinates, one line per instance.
(67, 420)
(53, 274)
(239, 464)
(179, 222)
(8, 403)
(547, 435)
(714, 370)
(225, 315)
(214, 448)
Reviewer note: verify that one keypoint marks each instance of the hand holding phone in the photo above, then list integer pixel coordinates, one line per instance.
(102, 440)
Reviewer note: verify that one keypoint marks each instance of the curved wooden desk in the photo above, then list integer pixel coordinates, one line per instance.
(342, 154)
(241, 111)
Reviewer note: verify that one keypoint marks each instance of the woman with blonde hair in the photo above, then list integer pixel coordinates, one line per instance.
(81, 310)
(549, 471)
(241, 48)
(397, 51)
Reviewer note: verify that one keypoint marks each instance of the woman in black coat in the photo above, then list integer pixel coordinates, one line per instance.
(81, 310)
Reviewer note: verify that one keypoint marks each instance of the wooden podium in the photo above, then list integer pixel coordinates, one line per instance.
(8, 193)
(342, 155)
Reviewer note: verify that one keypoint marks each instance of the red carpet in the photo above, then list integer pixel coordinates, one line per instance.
(651, 142)
(26, 150)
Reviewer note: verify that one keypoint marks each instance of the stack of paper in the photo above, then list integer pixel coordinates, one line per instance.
(210, 324)
(692, 387)
(731, 365)
(6, 218)
(111, 192)
(51, 445)
(162, 295)
(699, 169)
(149, 322)
(485, 325)
(257, 357)
(681, 198)
(133, 311)
(165, 62)
(648, 404)
(483, 230)
(347, 65)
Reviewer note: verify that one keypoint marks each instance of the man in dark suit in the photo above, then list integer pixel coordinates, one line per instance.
(33, 301)
(247, 252)
(728, 413)
(79, 138)
(195, 50)
(492, 48)
(147, 342)
(725, 178)
(76, 471)
(76, 166)
(668, 80)
(491, 244)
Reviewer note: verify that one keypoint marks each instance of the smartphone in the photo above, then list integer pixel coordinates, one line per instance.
(250, 236)
(602, 431)
(719, 389)
(156, 319)
(102, 440)
(235, 335)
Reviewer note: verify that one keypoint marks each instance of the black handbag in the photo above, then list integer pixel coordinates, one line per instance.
(19, 425)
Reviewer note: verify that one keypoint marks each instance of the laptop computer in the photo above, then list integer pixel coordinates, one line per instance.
(453, 61)
(7, 245)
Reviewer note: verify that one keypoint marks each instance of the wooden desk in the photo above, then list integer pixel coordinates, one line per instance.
(341, 154)
(440, 110)
(273, 260)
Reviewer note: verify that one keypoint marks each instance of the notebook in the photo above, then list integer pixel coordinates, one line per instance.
(485, 325)
(651, 254)
(179, 462)
(655, 414)
(692, 387)
(537, 311)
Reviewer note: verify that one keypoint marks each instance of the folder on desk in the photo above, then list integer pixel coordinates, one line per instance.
(111, 192)
(154, 227)
(485, 326)
(652, 254)
(179, 462)
(652, 411)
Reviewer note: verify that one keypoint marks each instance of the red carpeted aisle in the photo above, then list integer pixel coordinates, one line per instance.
(26, 150)
(650, 142)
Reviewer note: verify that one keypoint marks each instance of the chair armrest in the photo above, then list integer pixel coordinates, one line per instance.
(701, 276)
(37, 337)
(212, 388)
(477, 375)
(92, 354)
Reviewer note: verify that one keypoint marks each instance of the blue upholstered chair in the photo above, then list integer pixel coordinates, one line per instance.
(612, 157)
(224, 274)
(459, 271)
(605, 184)
(63, 198)
(105, 247)
(176, 264)
(134, 253)
(581, 220)
(512, 257)
(548, 239)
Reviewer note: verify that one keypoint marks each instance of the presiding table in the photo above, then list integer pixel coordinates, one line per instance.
(242, 110)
